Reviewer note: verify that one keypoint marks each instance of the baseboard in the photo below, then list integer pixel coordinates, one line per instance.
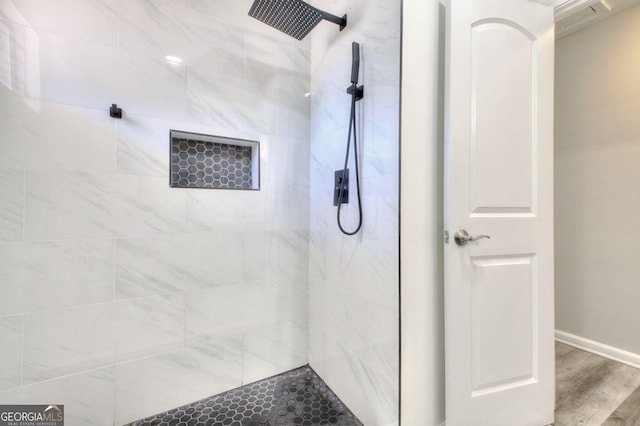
(597, 348)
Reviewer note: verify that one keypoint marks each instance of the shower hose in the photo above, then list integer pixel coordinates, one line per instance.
(352, 129)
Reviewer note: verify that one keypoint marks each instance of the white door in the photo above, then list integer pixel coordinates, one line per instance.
(499, 326)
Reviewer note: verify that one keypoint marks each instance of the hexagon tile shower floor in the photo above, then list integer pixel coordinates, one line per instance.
(295, 398)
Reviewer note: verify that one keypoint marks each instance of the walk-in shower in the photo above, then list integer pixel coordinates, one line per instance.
(124, 297)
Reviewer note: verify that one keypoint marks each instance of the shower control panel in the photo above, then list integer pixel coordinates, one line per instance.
(341, 181)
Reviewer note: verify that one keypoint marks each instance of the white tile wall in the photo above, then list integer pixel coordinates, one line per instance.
(43, 275)
(67, 341)
(87, 147)
(353, 311)
(79, 205)
(149, 325)
(158, 28)
(11, 342)
(69, 70)
(11, 204)
(122, 297)
(150, 385)
(16, 136)
(137, 80)
(170, 263)
(88, 397)
(98, 24)
(272, 350)
(257, 107)
(232, 308)
(265, 67)
(41, 140)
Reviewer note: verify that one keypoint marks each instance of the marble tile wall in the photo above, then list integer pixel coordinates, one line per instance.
(353, 310)
(121, 297)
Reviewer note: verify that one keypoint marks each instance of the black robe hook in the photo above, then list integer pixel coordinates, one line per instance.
(115, 112)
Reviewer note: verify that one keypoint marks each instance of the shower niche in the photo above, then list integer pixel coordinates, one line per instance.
(213, 162)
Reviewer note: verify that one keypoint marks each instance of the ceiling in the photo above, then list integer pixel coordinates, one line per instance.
(574, 15)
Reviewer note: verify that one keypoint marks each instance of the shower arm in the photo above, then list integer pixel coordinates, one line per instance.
(342, 22)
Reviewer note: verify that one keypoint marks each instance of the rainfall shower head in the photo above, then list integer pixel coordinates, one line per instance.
(293, 17)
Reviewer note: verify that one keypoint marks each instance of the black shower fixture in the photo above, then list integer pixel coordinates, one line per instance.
(293, 17)
(341, 191)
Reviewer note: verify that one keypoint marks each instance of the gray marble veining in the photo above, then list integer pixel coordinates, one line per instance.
(98, 25)
(10, 342)
(55, 274)
(11, 205)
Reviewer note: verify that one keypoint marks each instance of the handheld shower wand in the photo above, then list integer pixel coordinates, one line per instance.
(355, 62)
(355, 70)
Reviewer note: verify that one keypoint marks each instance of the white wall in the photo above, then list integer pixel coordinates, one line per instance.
(121, 297)
(354, 280)
(597, 153)
(421, 252)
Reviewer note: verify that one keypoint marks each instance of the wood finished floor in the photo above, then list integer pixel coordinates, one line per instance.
(595, 391)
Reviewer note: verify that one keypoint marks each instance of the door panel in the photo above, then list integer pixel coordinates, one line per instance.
(507, 185)
(502, 287)
(499, 181)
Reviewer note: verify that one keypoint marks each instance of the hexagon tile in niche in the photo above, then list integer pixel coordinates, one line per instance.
(295, 398)
(203, 161)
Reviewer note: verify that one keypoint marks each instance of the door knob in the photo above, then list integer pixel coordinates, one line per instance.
(462, 237)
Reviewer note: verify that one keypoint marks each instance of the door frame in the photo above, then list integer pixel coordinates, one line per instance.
(421, 213)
